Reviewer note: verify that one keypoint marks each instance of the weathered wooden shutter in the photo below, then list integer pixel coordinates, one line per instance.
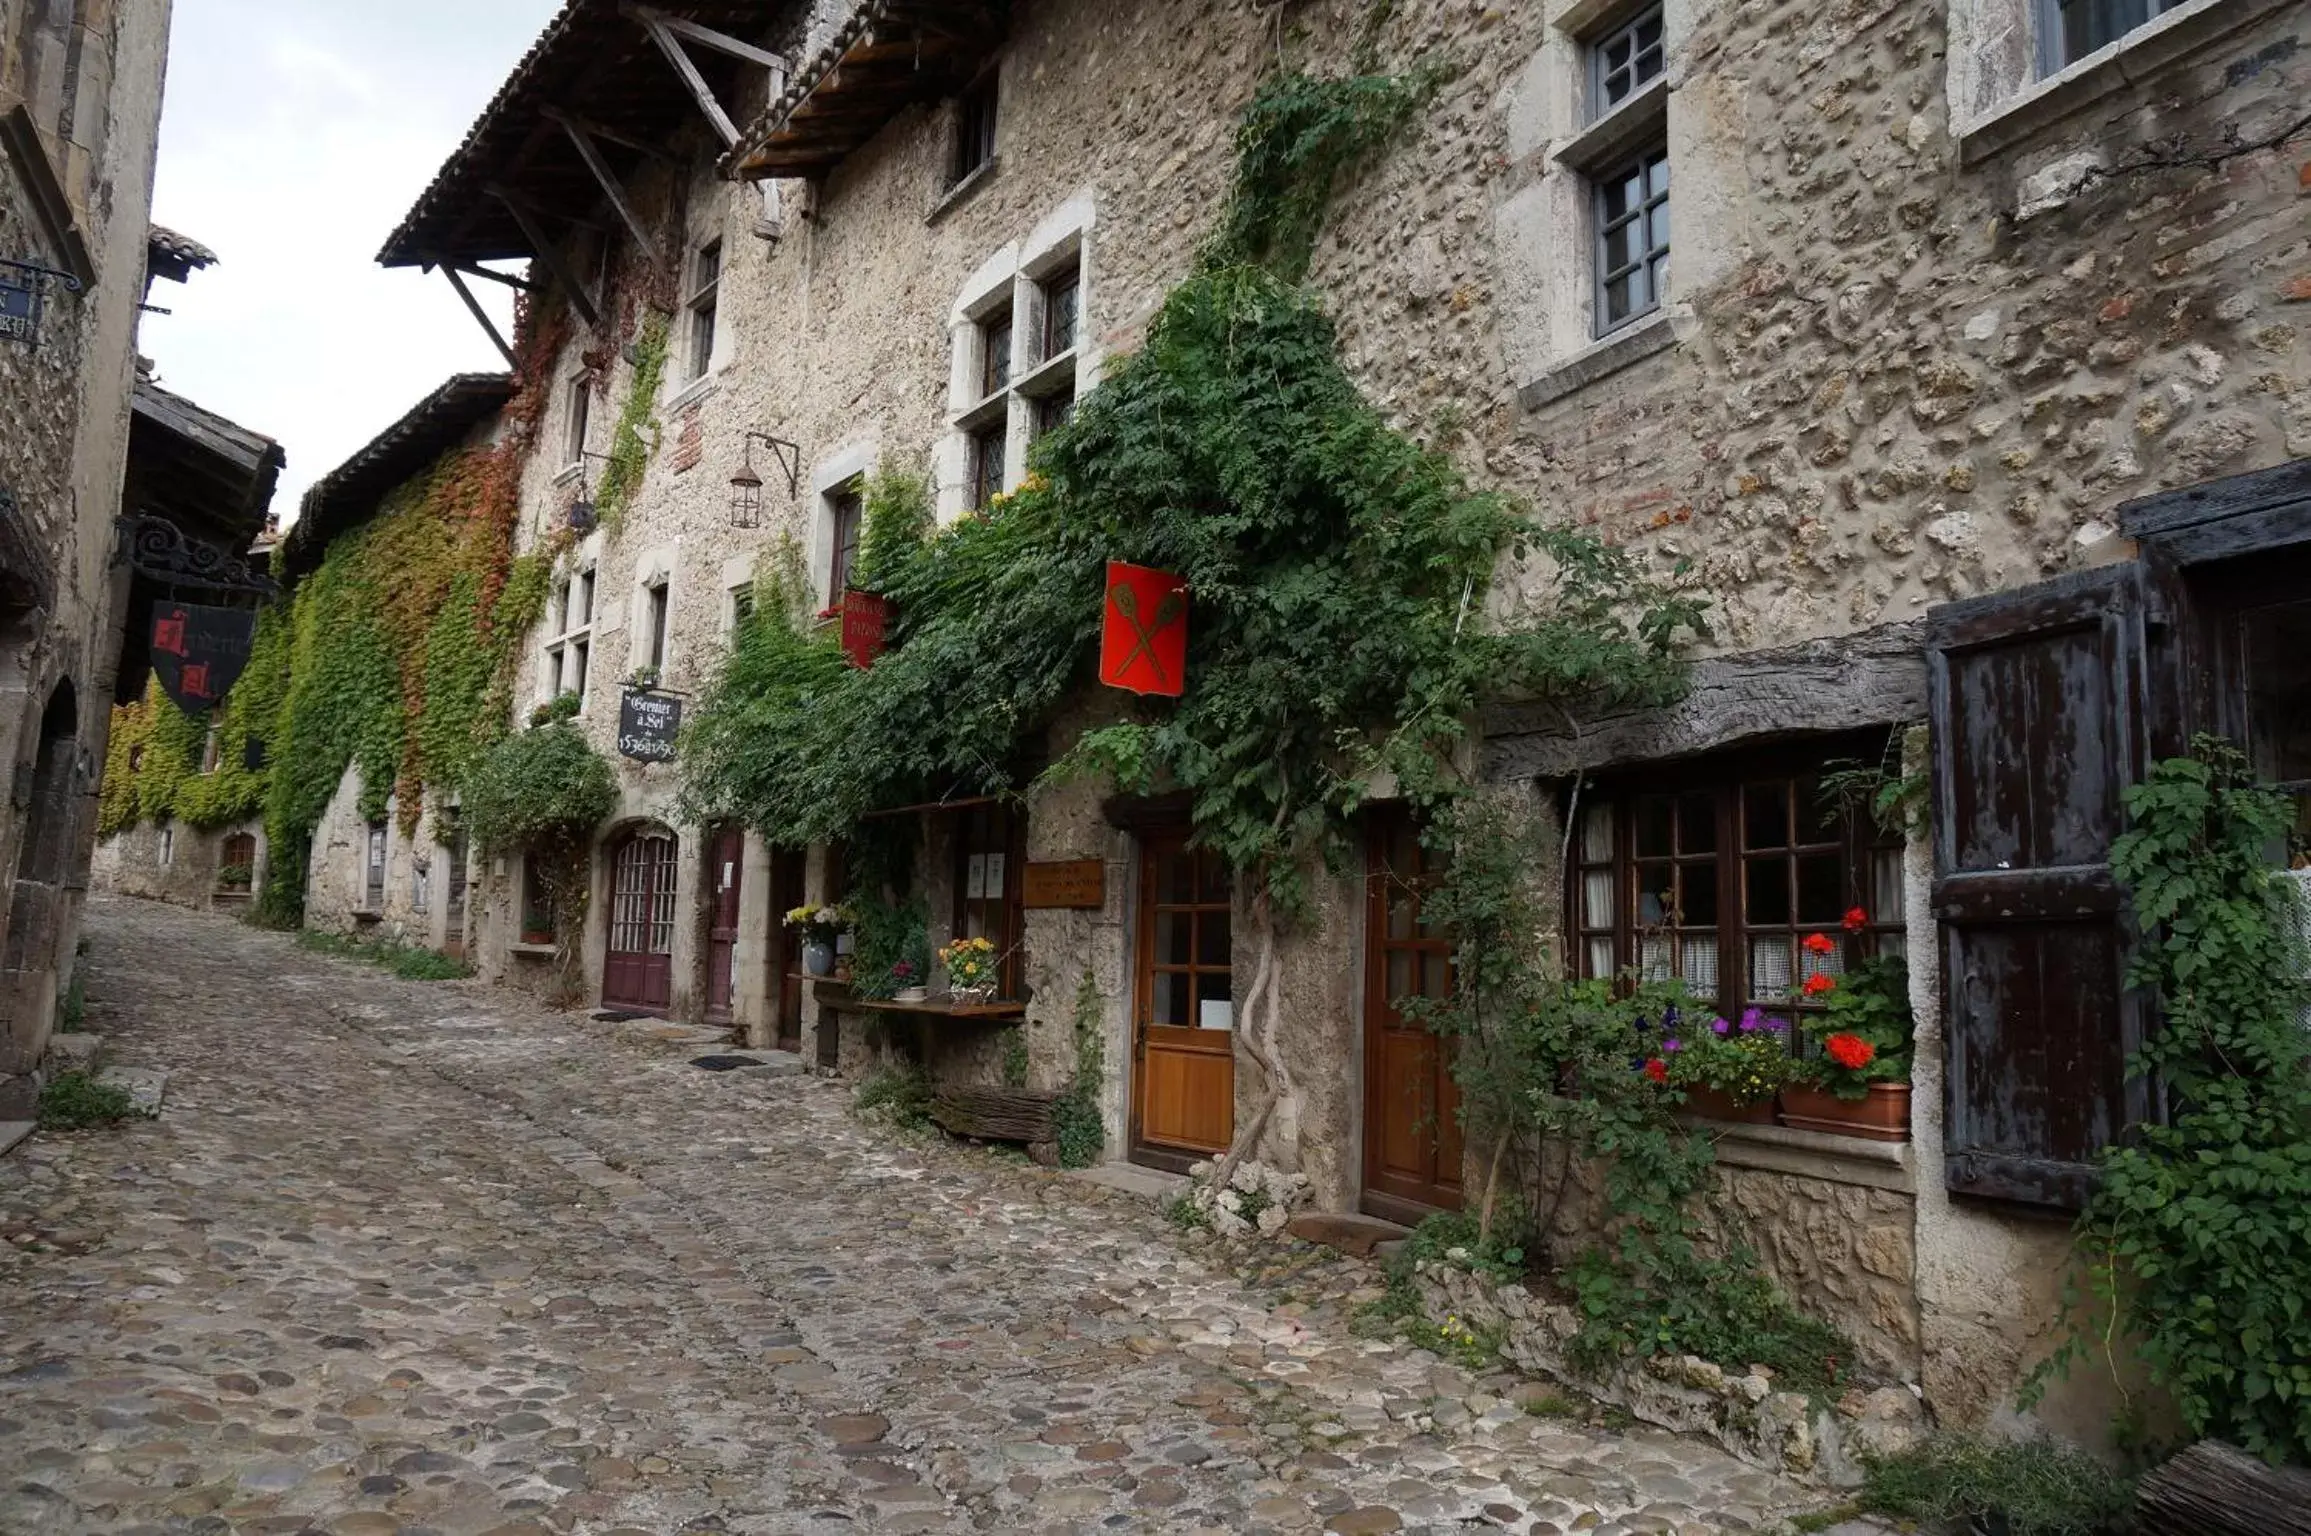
(2045, 702)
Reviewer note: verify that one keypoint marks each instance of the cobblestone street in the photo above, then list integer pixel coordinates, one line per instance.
(415, 1258)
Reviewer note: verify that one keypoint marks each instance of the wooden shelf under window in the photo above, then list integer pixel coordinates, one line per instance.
(837, 994)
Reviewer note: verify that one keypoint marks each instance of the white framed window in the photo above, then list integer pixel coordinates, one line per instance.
(168, 845)
(2069, 30)
(705, 289)
(373, 882)
(651, 641)
(567, 659)
(1632, 251)
(2016, 66)
(1022, 357)
(1623, 58)
(845, 517)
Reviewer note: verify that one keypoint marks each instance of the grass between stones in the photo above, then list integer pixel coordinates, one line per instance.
(72, 1101)
(410, 962)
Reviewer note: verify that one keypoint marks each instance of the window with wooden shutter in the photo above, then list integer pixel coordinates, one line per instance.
(2046, 703)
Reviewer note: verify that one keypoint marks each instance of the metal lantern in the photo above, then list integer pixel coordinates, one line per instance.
(746, 494)
(582, 514)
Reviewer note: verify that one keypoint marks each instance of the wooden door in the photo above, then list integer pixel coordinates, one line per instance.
(638, 971)
(726, 863)
(785, 951)
(1412, 1131)
(1184, 1060)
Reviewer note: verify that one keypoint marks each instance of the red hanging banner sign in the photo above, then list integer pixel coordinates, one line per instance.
(199, 652)
(1143, 640)
(866, 620)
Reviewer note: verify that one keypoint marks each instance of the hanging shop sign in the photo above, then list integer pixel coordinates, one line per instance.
(648, 724)
(200, 652)
(19, 309)
(1143, 641)
(866, 626)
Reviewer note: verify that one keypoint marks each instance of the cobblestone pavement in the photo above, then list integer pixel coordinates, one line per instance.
(410, 1258)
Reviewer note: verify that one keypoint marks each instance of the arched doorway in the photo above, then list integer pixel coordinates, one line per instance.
(638, 971)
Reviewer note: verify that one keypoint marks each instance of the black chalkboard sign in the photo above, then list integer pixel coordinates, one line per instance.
(647, 725)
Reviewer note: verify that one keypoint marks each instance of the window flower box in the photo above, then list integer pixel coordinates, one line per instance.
(1882, 1114)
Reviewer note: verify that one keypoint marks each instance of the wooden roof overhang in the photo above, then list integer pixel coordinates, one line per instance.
(888, 56)
(351, 493)
(601, 91)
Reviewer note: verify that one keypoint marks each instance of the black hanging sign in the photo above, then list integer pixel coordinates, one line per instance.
(19, 309)
(199, 652)
(648, 723)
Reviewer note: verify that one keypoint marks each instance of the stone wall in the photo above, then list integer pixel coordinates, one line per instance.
(131, 863)
(87, 80)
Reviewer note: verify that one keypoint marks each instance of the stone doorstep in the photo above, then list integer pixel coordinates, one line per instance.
(12, 1132)
(767, 1063)
(1355, 1235)
(75, 1052)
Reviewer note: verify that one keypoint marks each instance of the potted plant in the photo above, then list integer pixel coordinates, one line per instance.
(235, 878)
(1860, 1083)
(819, 927)
(1729, 1069)
(972, 970)
(907, 983)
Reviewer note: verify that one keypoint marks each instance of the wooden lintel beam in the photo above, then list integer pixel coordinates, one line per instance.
(481, 316)
(671, 47)
(591, 153)
(476, 269)
(607, 134)
(550, 252)
(707, 37)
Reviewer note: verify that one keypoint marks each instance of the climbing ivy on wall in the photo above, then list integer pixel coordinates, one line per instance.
(635, 437)
(166, 746)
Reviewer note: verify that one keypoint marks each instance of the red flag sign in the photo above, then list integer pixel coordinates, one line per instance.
(866, 621)
(1143, 642)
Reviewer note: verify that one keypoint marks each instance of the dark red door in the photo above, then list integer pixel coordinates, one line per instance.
(727, 860)
(638, 972)
(1412, 1130)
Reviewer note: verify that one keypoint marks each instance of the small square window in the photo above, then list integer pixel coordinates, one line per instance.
(741, 606)
(846, 514)
(1632, 213)
(1062, 305)
(574, 680)
(994, 353)
(1622, 60)
(986, 466)
(654, 615)
(1054, 410)
(582, 600)
(975, 129)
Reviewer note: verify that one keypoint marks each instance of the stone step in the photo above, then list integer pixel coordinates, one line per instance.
(145, 1086)
(12, 1132)
(74, 1052)
(1355, 1235)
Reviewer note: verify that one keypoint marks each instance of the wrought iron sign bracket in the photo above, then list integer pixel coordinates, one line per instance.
(157, 548)
(788, 455)
(71, 282)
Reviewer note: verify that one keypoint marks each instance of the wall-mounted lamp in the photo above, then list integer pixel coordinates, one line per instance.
(746, 485)
(582, 514)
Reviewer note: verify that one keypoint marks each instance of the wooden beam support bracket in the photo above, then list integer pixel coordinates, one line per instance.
(476, 269)
(551, 254)
(707, 37)
(591, 153)
(481, 315)
(606, 134)
(671, 46)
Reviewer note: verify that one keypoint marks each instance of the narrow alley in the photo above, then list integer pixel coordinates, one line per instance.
(412, 1258)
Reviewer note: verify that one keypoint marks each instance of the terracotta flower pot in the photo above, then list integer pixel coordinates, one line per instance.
(1883, 1116)
(1709, 1104)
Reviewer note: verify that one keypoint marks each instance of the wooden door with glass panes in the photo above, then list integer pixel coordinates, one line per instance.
(1184, 1055)
(1412, 1130)
(638, 971)
(990, 848)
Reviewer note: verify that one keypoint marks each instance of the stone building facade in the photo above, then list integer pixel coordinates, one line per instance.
(80, 93)
(1982, 340)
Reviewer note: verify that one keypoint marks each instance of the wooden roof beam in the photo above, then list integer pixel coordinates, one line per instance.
(550, 252)
(607, 134)
(612, 188)
(707, 37)
(654, 23)
(481, 316)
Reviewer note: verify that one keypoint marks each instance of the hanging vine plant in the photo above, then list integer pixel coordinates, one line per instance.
(542, 792)
(1339, 571)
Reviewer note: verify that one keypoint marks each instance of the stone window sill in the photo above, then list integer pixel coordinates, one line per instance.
(1632, 343)
(962, 191)
(2132, 58)
(543, 951)
(567, 473)
(1814, 1155)
(1619, 134)
(694, 391)
(1049, 376)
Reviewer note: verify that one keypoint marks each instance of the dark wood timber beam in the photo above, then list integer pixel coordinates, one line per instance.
(612, 189)
(707, 37)
(481, 316)
(606, 134)
(476, 269)
(550, 252)
(671, 46)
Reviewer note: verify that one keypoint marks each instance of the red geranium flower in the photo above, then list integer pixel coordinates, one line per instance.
(1856, 920)
(1821, 943)
(1850, 1051)
(1818, 983)
(1658, 1070)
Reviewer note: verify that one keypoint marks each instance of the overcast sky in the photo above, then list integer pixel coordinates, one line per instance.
(295, 135)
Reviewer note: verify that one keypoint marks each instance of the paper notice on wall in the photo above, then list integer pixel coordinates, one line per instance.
(994, 877)
(1216, 1014)
(975, 878)
(729, 877)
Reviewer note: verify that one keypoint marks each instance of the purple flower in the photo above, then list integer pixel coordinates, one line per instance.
(1672, 1044)
(1777, 1025)
(1751, 1020)
(1720, 1025)
(1669, 1017)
